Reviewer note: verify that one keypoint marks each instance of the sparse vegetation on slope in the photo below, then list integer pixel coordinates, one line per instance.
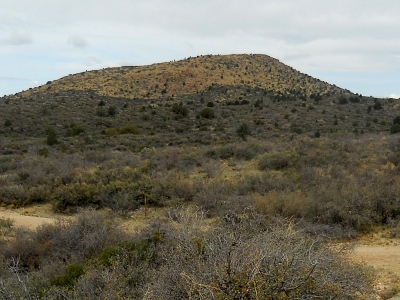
(242, 137)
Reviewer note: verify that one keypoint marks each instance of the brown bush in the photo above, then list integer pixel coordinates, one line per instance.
(284, 263)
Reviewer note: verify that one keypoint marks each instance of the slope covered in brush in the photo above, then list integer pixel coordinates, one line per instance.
(194, 75)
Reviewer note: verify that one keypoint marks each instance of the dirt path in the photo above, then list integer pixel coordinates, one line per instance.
(28, 218)
(379, 257)
(385, 259)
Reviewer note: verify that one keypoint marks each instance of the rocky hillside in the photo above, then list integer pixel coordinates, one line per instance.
(196, 101)
(194, 75)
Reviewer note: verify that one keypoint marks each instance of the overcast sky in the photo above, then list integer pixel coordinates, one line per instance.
(354, 44)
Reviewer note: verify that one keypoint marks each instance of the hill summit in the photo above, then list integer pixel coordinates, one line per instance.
(194, 75)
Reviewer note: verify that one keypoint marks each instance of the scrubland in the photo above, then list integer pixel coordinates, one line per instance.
(258, 174)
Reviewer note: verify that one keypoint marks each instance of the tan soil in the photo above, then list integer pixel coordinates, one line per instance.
(384, 258)
(379, 257)
(29, 218)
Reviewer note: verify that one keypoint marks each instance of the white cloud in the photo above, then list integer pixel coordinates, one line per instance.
(17, 38)
(394, 96)
(77, 41)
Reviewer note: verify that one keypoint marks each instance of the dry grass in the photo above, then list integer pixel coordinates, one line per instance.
(191, 76)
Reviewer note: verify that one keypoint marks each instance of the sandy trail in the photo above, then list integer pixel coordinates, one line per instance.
(385, 260)
(25, 218)
(385, 257)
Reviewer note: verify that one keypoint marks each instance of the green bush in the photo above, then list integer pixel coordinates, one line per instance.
(179, 109)
(101, 112)
(7, 123)
(112, 110)
(75, 194)
(395, 128)
(77, 129)
(111, 132)
(274, 161)
(72, 273)
(243, 131)
(51, 137)
(207, 113)
(128, 129)
(43, 152)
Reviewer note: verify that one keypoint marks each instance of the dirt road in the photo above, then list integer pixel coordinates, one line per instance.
(379, 257)
(26, 218)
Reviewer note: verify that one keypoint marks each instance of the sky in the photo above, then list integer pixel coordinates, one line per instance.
(354, 44)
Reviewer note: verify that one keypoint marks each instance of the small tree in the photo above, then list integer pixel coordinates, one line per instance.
(243, 131)
(395, 128)
(377, 104)
(51, 136)
(207, 113)
(179, 109)
(112, 110)
(7, 123)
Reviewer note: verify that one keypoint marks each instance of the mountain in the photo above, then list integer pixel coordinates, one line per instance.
(198, 100)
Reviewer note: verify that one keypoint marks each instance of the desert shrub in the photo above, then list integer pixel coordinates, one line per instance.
(77, 129)
(121, 201)
(48, 263)
(360, 203)
(124, 272)
(242, 151)
(174, 158)
(112, 110)
(282, 203)
(248, 150)
(212, 195)
(43, 152)
(396, 120)
(13, 194)
(171, 186)
(72, 241)
(6, 225)
(69, 197)
(179, 109)
(395, 128)
(226, 151)
(262, 183)
(72, 273)
(243, 131)
(377, 104)
(343, 100)
(101, 112)
(111, 131)
(128, 129)
(51, 136)
(275, 161)
(187, 215)
(207, 113)
(211, 167)
(284, 264)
